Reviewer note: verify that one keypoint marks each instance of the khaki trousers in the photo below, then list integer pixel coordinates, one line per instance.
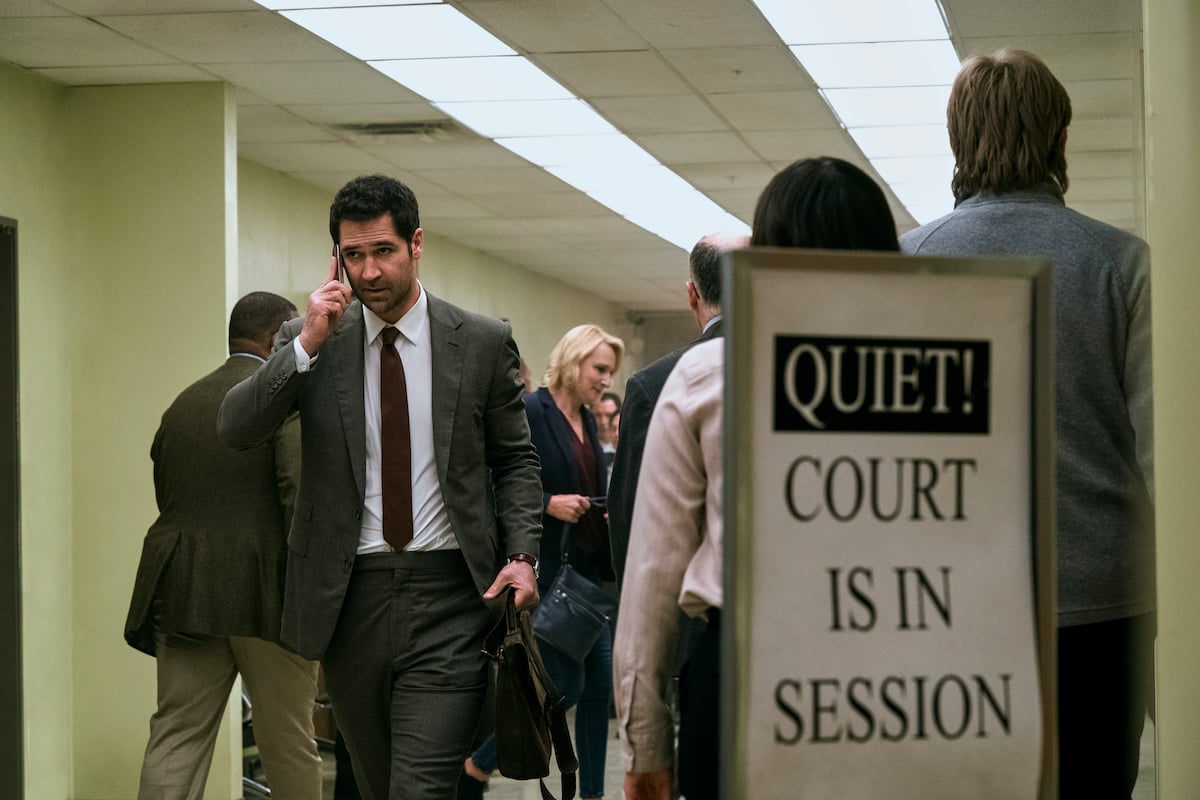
(195, 676)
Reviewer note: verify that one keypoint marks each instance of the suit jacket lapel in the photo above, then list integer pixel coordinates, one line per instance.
(345, 350)
(561, 429)
(448, 348)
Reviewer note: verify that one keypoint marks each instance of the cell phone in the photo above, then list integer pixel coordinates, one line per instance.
(337, 253)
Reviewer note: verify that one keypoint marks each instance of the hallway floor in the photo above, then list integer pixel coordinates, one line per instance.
(501, 788)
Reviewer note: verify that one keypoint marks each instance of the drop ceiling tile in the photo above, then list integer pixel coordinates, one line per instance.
(1086, 135)
(784, 147)
(364, 113)
(1105, 210)
(294, 82)
(32, 8)
(598, 230)
(739, 69)
(774, 111)
(273, 124)
(226, 37)
(414, 154)
(679, 113)
(1097, 189)
(300, 156)
(1059, 17)
(445, 205)
(524, 180)
(614, 74)
(115, 76)
(1099, 165)
(541, 204)
(549, 26)
(1102, 99)
(95, 8)
(751, 175)
(697, 23)
(739, 202)
(696, 148)
(70, 42)
(1086, 56)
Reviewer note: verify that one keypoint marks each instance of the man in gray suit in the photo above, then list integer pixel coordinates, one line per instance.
(387, 563)
(643, 387)
(209, 589)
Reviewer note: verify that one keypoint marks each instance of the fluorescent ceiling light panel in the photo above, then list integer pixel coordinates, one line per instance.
(297, 4)
(472, 76)
(498, 119)
(905, 140)
(916, 169)
(870, 64)
(444, 80)
(925, 201)
(579, 151)
(902, 105)
(416, 31)
(833, 21)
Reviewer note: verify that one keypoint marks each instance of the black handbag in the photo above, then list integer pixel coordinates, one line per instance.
(531, 714)
(574, 612)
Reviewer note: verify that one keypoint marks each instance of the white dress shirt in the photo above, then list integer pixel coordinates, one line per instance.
(431, 522)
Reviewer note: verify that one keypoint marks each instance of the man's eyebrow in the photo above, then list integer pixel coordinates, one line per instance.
(376, 243)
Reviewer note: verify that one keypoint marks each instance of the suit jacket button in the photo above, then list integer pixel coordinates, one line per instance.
(346, 565)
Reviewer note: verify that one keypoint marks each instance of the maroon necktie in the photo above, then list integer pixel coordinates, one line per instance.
(396, 451)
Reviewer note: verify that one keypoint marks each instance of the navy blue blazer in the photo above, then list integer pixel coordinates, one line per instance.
(551, 435)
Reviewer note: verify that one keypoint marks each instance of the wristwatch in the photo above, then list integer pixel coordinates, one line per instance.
(528, 559)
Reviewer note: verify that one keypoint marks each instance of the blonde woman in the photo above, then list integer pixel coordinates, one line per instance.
(563, 430)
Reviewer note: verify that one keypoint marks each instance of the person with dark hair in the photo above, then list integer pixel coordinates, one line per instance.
(1008, 118)
(420, 499)
(608, 421)
(642, 388)
(208, 595)
(823, 202)
(675, 558)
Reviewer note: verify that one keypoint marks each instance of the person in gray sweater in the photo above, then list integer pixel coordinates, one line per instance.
(1008, 118)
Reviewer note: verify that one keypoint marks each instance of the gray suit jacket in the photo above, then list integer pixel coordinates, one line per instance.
(487, 467)
(213, 562)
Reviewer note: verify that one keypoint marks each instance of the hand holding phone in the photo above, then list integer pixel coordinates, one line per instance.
(340, 271)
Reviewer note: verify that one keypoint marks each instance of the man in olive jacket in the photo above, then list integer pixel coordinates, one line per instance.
(208, 596)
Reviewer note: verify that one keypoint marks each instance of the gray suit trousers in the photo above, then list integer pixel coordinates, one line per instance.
(406, 673)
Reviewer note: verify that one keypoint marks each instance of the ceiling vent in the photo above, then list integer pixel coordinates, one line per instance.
(438, 130)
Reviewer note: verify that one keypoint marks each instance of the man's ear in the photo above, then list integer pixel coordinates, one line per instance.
(693, 296)
(417, 243)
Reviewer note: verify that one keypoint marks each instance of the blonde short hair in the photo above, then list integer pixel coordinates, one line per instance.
(573, 349)
(1006, 117)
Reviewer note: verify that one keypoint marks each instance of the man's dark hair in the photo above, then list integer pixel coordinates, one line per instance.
(616, 398)
(369, 197)
(705, 266)
(826, 203)
(258, 315)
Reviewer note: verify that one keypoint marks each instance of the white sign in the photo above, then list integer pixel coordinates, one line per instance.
(884, 580)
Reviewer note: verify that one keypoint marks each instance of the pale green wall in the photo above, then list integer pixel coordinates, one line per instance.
(34, 191)
(284, 248)
(1172, 60)
(150, 218)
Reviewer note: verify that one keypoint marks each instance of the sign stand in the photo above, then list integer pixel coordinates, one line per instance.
(889, 506)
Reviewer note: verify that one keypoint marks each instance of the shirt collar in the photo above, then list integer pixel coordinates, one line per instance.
(259, 359)
(412, 326)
